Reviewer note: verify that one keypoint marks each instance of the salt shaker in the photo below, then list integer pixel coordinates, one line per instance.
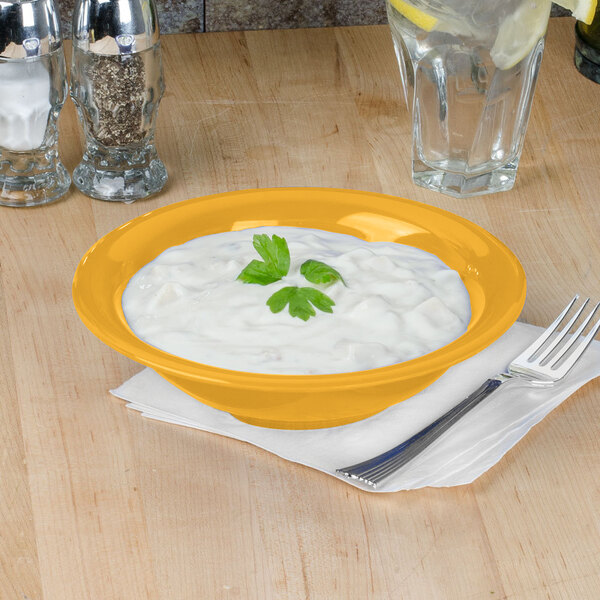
(116, 84)
(33, 88)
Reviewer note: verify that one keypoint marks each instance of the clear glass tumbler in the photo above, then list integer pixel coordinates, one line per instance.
(33, 89)
(468, 69)
(117, 84)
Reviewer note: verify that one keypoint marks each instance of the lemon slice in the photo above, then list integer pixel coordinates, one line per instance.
(520, 32)
(582, 10)
(413, 14)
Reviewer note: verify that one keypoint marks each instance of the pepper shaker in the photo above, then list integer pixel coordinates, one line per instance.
(116, 84)
(33, 88)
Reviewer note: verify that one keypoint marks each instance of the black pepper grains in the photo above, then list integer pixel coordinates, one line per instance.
(118, 86)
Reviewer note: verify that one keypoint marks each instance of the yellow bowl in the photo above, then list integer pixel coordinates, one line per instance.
(492, 275)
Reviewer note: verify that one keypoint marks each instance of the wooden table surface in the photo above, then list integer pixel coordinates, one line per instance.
(99, 503)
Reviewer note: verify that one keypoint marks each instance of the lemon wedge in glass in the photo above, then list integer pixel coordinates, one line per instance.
(418, 17)
(582, 10)
(520, 32)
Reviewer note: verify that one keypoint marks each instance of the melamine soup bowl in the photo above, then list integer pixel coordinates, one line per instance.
(491, 273)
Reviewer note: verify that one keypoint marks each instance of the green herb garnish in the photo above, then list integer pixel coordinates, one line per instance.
(301, 301)
(275, 264)
(316, 271)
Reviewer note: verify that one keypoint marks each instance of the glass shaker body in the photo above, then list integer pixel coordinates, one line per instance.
(587, 47)
(33, 89)
(117, 84)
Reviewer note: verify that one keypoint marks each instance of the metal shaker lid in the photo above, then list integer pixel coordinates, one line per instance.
(115, 26)
(29, 29)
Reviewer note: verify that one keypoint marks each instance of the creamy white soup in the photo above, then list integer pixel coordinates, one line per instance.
(395, 303)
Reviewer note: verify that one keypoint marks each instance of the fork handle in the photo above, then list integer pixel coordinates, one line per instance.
(378, 468)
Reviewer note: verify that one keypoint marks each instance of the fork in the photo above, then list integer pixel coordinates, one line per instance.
(547, 360)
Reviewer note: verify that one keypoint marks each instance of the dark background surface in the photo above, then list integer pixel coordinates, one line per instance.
(196, 16)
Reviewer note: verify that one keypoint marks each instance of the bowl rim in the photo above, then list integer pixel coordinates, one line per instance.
(436, 361)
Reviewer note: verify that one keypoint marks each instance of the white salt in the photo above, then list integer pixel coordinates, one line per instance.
(24, 104)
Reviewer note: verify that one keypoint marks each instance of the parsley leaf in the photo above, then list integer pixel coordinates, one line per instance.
(273, 251)
(275, 265)
(316, 271)
(276, 260)
(259, 272)
(301, 301)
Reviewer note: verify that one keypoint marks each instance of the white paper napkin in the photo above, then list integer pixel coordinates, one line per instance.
(469, 449)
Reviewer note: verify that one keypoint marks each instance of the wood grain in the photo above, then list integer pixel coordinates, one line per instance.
(99, 503)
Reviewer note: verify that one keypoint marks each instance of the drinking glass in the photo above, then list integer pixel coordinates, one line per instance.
(468, 70)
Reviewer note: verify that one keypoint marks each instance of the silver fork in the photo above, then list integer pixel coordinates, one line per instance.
(547, 360)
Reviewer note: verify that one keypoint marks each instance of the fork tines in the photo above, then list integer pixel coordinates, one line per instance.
(547, 350)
